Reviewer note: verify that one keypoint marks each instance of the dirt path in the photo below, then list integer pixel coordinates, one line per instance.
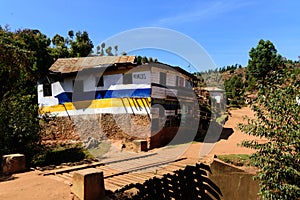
(30, 186)
(234, 138)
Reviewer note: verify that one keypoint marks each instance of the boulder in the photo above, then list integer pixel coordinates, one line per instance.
(13, 163)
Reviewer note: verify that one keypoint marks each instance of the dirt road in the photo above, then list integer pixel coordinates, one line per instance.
(30, 186)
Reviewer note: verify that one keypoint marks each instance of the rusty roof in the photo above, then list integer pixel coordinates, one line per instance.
(68, 65)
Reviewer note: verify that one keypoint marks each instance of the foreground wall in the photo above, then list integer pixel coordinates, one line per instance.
(234, 182)
(99, 127)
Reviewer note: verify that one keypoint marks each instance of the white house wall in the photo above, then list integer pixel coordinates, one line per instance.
(67, 84)
(119, 97)
(143, 77)
(49, 100)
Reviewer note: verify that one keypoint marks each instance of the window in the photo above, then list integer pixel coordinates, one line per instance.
(127, 78)
(47, 90)
(100, 82)
(180, 81)
(162, 78)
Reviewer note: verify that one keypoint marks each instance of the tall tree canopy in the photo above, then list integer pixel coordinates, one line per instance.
(22, 56)
(70, 46)
(277, 120)
(263, 60)
(25, 57)
(82, 45)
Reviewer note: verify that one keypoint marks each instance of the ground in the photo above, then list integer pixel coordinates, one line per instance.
(31, 186)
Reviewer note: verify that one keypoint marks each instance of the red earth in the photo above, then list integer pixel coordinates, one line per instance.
(31, 186)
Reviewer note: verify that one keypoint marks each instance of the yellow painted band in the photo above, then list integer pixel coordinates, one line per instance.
(98, 103)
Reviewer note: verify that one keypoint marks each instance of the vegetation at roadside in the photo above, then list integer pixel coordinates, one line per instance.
(236, 159)
(270, 86)
(277, 119)
(60, 154)
(25, 56)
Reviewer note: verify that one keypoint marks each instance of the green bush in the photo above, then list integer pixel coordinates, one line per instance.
(19, 126)
(59, 154)
(236, 159)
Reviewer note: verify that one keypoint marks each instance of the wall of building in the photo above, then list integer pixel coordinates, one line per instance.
(138, 97)
(100, 127)
(112, 97)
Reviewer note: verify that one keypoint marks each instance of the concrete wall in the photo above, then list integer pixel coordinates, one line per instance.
(234, 183)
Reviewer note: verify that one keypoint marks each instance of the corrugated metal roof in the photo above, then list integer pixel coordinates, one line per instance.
(67, 65)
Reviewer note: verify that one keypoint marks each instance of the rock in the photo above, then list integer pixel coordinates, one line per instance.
(13, 163)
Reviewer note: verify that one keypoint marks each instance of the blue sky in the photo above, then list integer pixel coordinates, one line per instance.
(226, 29)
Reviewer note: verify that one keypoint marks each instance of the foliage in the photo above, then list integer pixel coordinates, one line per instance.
(19, 69)
(78, 46)
(277, 120)
(230, 68)
(25, 56)
(143, 59)
(234, 87)
(100, 50)
(236, 159)
(19, 125)
(81, 46)
(263, 60)
(59, 155)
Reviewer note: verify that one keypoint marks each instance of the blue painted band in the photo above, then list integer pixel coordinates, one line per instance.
(103, 94)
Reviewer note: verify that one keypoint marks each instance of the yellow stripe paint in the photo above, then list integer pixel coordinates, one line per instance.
(98, 103)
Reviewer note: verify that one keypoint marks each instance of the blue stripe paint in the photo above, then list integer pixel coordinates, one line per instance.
(64, 97)
(104, 94)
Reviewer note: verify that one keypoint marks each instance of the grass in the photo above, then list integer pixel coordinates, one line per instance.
(236, 159)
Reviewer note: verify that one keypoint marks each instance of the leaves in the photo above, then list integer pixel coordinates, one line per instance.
(277, 120)
(263, 61)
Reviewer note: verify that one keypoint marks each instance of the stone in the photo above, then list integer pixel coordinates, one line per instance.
(141, 145)
(13, 163)
(88, 184)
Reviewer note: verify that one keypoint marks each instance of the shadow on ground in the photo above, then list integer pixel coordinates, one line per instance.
(215, 133)
(190, 183)
(6, 177)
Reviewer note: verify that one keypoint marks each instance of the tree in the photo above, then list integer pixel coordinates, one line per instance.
(234, 87)
(82, 45)
(37, 44)
(277, 120)
(263, 60)
(108, 51)
(25, 57)
(116, 49)
(19, 71)
(60, 49)
(100, 50)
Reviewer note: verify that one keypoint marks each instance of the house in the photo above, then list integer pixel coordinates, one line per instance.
(215, 93)
(145, 102)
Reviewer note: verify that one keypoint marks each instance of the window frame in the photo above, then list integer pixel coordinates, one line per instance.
(47, 90)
